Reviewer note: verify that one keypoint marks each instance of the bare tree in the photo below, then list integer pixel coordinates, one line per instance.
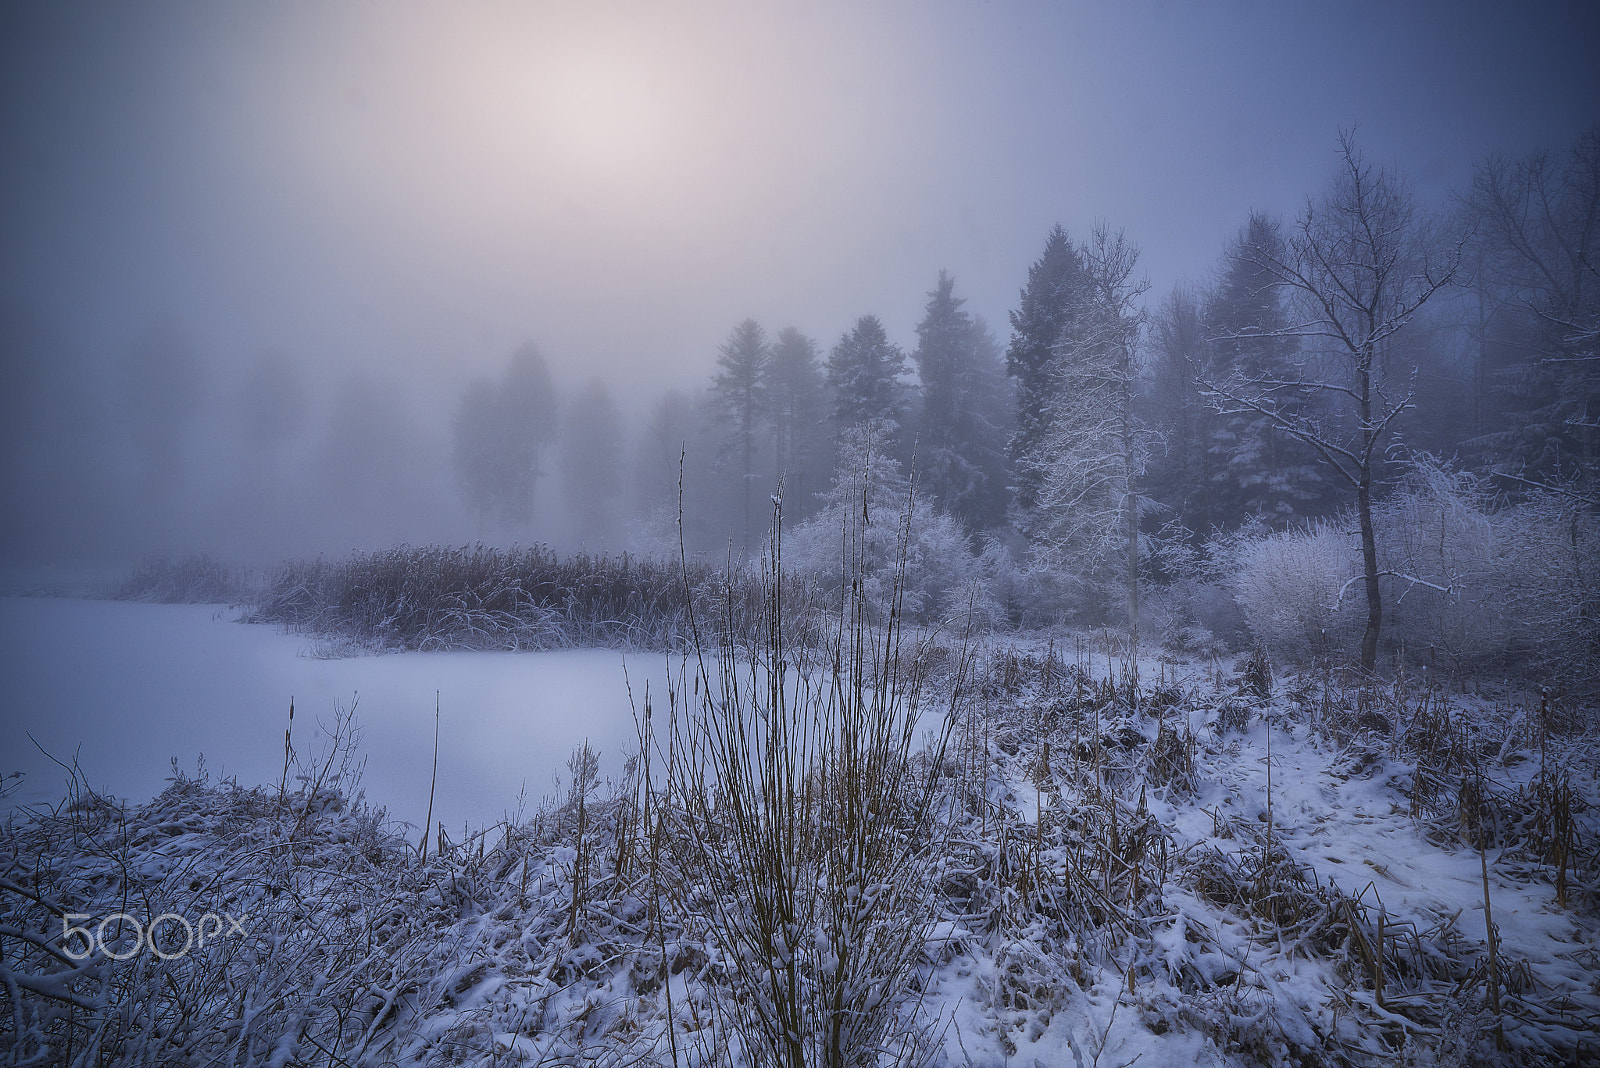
(1536, 232)
(1088, 509)
(1358, 266)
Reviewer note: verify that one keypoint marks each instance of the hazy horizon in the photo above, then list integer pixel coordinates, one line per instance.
(403, 194)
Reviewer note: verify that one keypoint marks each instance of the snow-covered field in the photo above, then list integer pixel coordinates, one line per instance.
(1210, 868)
(128, 687)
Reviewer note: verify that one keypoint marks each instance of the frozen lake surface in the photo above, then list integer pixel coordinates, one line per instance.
(127, 687)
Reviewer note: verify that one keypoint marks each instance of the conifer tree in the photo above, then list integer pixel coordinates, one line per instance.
(739, 394)
(1250, 467)
(1087, 509)
(501, 430)
(591, 462)
(1536, 226)
(960, 428)
(1179, 471)
(1048, 304)
(797, 402)
(864, 378)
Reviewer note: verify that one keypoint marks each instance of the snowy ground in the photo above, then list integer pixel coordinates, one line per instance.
(1203, 875)
(1234, 971)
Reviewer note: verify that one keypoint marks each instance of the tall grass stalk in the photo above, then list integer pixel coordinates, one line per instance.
(807, 813)
(433, 780)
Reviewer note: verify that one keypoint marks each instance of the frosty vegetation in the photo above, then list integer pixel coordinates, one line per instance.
(1150, 465)
(863, 847)
(1214, 680)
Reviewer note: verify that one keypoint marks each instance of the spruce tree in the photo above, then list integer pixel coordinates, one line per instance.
(960, 428)
(501, 430)
(1250, 466)
(1087, 510)
(864, 377)
(591, 463)
(1055, 289)
(1178, 475)
(797, 402)
(738, 392)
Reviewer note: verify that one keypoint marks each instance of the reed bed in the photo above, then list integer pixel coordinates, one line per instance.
(485, 598)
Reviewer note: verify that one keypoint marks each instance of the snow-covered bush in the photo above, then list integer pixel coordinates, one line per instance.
(1296, 588)
(1015, 587)
(1547, 588)
(871, 514)
(1174, 616)
(1442, 576)
(1194, 613)
(1467, 587)
(1471, 588)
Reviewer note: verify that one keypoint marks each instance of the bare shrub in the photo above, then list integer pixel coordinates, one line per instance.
(219, 925)
(805, 808)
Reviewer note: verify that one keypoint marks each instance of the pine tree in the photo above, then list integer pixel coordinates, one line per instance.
(1250, 467)
(864, 377)
(1179, 470)
(677, 491)
(960, 427)
(739, 393)
(500, 432)
(530, 412)
(1054, 291)
(797, 402)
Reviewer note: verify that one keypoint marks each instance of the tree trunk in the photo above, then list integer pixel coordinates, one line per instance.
(745, 442)
(1369, 564)
(1369, 540)
(1132, 520)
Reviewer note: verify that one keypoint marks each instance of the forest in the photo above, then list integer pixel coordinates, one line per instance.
(1367, 437)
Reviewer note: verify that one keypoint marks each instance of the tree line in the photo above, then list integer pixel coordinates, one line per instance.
(1109, 443)
(1329, 355)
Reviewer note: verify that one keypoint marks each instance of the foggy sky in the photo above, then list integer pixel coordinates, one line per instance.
(426, 185)
(408, 191)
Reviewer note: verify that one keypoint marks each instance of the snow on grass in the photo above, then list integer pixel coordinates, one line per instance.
(1117, 885)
